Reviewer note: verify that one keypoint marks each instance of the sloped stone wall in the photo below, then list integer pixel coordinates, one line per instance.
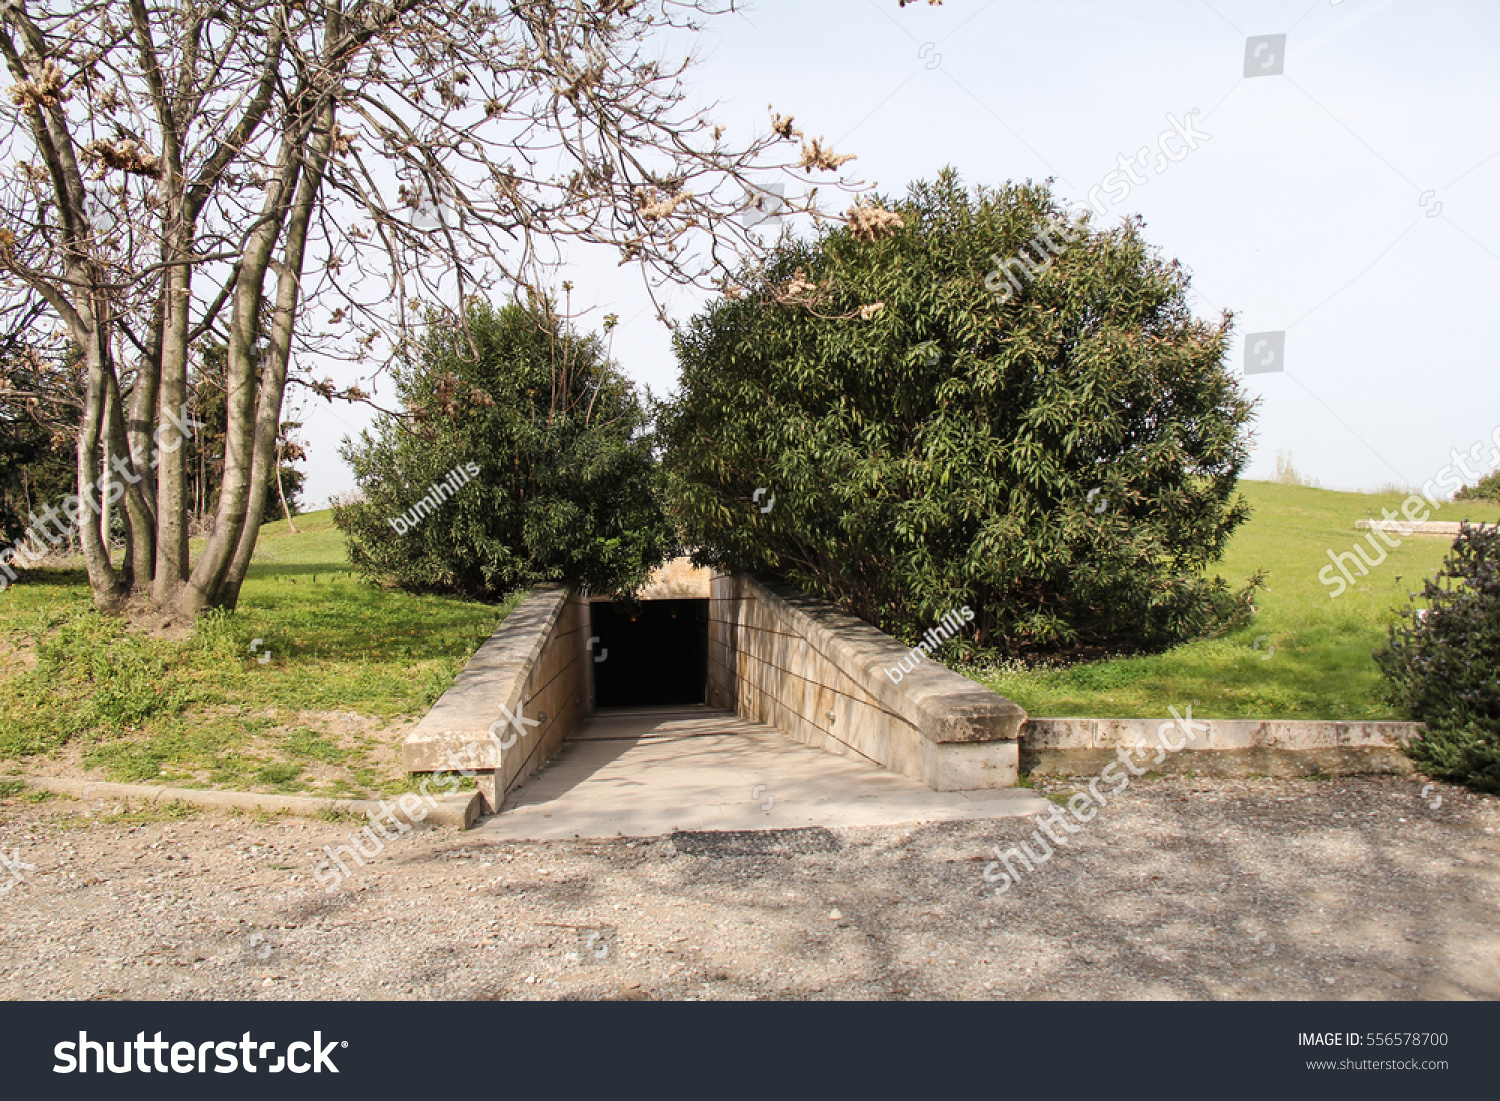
(819, 676)
(536, 668)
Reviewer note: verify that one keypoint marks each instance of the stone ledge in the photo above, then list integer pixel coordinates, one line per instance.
(460, 810)
(1221, 734)
(1226, 748)
(1229, 764)
(943, 706)
(497, 674)
(818, 674)
(1403, 528)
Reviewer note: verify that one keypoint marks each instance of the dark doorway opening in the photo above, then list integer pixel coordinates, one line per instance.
(656, 655)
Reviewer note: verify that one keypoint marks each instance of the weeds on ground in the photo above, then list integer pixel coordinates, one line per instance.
(264, 697)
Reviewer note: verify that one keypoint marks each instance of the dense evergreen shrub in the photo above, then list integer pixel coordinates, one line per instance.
(1062, 456)
(1443, 664)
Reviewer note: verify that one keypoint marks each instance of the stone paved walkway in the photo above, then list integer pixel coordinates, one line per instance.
(646, 772)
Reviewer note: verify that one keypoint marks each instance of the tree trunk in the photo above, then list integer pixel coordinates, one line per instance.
(129, 484)
(279, 353)
(281, 493)
(205, 586)
(106, 513)
(171, 566)
(103, 580)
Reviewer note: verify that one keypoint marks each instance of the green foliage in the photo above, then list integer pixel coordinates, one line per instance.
(36, 457)
(557, 444)
(204, 711)
(1443, 664)
(91, 675)
(152, 813)
(1486, 489)
(1065, 461)
(279, 773)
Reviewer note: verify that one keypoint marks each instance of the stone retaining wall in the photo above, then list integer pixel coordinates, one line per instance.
(536, 666)
(1219, 747)
(819, 676)
(1448, 529)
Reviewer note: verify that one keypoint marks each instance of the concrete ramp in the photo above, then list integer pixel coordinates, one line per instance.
(649, 772)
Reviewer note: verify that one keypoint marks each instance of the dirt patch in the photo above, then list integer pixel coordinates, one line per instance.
(1181, 889)
(147, 619)
(338, 751)
(16, 657)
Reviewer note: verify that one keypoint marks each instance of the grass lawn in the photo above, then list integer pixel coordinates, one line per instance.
(1306, 655)
(350, 667)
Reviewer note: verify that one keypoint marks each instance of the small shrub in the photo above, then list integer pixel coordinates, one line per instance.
(279, 773)
(553, 450)
(336, 814)
(1442, 665)
(1288, 475)
(151, 813)
(311, 746)
(1486, 489)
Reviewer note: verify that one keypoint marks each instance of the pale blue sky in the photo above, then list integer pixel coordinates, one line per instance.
(1306, 210)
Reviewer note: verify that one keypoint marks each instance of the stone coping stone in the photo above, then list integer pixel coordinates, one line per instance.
(495, 675)
(1229, 763)
(1417, 527)
(942, 705)
(1217, 734)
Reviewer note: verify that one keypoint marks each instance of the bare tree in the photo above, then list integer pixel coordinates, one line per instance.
(299, 180)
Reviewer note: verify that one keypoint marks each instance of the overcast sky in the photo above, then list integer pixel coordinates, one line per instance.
(1340, 201)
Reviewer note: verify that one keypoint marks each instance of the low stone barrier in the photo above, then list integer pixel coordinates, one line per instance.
(534, 668)
(1219, 747)
(1449, 529)
(819, 676)
(461, 809)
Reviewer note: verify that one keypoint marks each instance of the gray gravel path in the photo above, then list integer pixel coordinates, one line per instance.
(1182, 888)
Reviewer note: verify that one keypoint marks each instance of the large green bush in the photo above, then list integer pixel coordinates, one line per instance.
(1062, 457)
(555, 476)
(1443, 664)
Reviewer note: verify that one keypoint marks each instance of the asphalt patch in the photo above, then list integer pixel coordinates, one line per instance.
(716, 845)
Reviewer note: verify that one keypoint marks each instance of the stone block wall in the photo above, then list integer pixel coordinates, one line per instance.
(1219, 747)
(536, 666)
(819, 676)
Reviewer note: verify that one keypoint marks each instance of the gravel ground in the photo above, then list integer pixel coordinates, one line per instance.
(1182, 888)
